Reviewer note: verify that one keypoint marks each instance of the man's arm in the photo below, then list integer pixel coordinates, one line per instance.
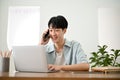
(74, 67)
(43, 40)
(81, 66)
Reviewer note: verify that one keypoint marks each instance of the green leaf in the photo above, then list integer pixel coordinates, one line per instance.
(103, 58)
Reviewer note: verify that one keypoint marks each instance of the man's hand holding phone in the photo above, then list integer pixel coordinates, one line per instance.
(45, 37)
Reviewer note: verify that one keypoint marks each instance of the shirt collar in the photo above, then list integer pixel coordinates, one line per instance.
(52, 48)
(67, 43)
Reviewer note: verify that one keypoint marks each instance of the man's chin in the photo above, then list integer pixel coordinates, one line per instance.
(55, 41)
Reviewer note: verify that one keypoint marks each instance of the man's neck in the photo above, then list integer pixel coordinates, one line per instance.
(59, 45)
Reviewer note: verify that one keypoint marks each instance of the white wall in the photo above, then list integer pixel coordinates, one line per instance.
(82, 16)
(109, 27)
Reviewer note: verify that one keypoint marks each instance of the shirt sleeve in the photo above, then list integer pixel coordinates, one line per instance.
(81, 57)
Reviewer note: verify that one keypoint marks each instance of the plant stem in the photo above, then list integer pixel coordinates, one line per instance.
(114, 61)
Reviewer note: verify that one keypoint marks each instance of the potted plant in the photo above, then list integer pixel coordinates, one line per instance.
(103, 58)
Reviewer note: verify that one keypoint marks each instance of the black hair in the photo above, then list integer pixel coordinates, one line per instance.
(58, 22)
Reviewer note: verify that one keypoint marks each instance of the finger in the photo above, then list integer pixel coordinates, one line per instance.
(52, 68)
(45, 31)
(49, 66)
(43, 36)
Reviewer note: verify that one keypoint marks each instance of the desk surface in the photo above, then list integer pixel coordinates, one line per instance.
(60, 76)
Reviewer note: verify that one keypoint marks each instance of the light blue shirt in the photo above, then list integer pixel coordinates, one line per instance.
(72, 52)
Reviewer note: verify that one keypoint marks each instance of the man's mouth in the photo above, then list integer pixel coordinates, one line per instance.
(54, 38)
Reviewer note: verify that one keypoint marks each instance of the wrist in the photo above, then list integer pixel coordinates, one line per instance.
(62, 67)
(43, 42)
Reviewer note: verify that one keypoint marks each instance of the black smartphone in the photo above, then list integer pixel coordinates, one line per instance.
(46, 36)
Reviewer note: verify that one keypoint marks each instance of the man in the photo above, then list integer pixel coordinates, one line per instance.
(62, 54)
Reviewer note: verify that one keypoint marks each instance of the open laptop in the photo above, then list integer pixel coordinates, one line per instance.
(30, 58)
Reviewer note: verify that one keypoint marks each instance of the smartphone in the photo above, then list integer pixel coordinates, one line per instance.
(46, 36)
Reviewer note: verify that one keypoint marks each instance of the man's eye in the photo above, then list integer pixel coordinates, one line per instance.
(50, 30)
(57, 30)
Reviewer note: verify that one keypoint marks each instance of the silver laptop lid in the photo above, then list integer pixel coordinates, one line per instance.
(30, 58)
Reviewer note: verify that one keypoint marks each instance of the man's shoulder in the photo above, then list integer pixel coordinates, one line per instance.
(72, 43)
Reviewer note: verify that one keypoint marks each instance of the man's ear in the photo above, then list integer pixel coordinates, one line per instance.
(64, 30)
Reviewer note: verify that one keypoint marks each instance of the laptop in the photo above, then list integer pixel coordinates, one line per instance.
(30, 58)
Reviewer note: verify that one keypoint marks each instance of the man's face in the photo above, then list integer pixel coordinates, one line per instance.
(56, 34)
